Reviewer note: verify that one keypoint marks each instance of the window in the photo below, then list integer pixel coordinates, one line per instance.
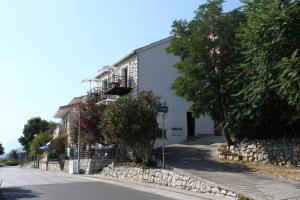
(104, 84)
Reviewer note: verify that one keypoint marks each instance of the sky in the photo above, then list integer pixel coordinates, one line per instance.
(47, 47)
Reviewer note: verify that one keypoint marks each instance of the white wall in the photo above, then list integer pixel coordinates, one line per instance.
(156, 73)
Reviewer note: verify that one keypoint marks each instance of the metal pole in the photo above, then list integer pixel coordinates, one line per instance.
(78, 150)
(163, 137)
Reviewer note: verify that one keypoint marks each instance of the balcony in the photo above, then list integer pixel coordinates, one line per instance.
(118, 85)
(95, 91)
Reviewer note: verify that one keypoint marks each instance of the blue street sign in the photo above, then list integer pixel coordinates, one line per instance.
(163, 109)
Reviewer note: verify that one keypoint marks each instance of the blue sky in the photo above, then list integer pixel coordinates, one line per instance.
(47, 47)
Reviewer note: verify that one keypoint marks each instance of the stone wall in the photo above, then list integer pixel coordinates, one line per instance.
(89, 166)
(132, 64)
(54, 166)
(66, 166)
(49, 165)
(86, 165)
(168, 178)
(278, 152)
(43, 165)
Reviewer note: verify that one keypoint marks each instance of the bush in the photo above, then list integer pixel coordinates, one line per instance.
(241, 197)
(10, 162)
(132, 121)
(39, 140)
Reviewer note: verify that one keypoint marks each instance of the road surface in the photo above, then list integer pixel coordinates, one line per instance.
(198, 157)
(18, 183)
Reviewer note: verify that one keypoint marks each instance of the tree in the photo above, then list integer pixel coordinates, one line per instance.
(131, 121)
(1, 149)
(33, 127)
(208, 48)
(13, 155)
(90, 119)
(269, 106)
(40, 140)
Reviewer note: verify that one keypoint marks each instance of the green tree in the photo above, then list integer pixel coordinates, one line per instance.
(131, 121)
(270, 94)
(208, 48)
(39, 140)
(1, 149)
(33, 127)
(90, 119)
(13, 155)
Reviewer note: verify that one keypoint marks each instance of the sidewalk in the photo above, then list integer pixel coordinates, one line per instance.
(198, 158)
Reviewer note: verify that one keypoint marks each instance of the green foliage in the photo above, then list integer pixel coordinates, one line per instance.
(10, 162)
(269, 97)
(241, 197)
(13, 155)
(242, 68)
(131, 121)
(90, 120)
(12, 159)
(40, 140)
(1, 149)
(33, 127)
(208, 48)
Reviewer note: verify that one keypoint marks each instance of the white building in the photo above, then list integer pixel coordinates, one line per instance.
(66, 114)
(150, 68)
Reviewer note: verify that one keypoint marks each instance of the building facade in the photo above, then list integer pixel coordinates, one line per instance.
(150, 68)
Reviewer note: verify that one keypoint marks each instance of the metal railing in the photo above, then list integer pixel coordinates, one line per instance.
(102, 153)
(119, 81)
(95, 90)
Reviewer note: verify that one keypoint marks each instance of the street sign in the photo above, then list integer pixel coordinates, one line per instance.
(163, 109)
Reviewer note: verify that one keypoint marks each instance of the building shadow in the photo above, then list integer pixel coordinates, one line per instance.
(198, 159)
(13, 193)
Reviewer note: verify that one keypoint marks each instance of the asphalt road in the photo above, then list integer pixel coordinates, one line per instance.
(20, 183)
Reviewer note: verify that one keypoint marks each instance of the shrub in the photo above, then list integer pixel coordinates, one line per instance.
(39, 140)
(132, 121)
(10, 162)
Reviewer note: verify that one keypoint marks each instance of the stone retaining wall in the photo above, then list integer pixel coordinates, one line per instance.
(54, 166)
(168, 178)
(278, 152)
(86, 165)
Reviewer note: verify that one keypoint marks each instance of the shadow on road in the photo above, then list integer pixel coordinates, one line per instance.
(199, 159)
(17, 193)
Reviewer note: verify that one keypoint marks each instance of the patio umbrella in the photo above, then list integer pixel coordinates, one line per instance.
(45, 147)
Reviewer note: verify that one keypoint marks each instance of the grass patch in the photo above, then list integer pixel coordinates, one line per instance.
(241, 197)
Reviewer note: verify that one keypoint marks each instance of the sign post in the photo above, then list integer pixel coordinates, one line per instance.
(164, 109)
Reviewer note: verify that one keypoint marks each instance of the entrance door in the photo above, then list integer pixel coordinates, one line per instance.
(190, 124)
(124, 74)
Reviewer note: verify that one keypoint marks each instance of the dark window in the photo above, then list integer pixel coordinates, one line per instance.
(104, 84)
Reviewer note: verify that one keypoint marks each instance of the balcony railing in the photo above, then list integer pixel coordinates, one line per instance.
(118, 85)
(95, 90)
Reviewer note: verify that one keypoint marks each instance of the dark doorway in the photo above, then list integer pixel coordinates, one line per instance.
(190, 125)
(124, 74)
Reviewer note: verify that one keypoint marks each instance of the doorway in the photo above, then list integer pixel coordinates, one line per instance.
(190, 125)
(124, 77)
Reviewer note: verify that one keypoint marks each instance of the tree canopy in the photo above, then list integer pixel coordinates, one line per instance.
(242, 67)
(131, 121)
(269, 96)
(39, 140)
(33, 127)
(90, 119)
(208, 48)
(1, 149)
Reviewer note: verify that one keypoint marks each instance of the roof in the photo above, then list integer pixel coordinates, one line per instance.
(74, 103)
(149, 46)
(107, 69)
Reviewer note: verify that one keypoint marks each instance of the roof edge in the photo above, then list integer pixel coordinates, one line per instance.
(144, 48)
